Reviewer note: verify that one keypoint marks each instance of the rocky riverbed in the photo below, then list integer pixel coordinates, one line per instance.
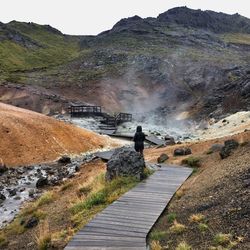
(24, 183)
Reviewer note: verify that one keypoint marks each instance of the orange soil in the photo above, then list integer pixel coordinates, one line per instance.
(28, 137)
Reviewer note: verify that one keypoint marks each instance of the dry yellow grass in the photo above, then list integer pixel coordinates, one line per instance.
(196, 218)
(155, 245)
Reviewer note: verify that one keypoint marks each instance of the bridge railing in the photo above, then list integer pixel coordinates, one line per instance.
(84, 110)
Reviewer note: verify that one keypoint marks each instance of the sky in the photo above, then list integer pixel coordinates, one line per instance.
(90, 17)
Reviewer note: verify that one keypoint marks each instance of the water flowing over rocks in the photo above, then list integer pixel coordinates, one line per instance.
(24, 183)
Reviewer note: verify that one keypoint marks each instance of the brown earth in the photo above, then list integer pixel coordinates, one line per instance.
(219, 190)
(28, 137)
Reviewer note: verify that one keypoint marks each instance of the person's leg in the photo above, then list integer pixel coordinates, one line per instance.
(141, 151)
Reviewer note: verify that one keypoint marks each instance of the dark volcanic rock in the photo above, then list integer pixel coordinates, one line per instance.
(162, 158)
(125, 162)
(3, 168)
(41, 182)
(12, 192)
(32, 222)
(229, 146)
(2, 198)
(182, 151)
(169, 140)
(64, 159)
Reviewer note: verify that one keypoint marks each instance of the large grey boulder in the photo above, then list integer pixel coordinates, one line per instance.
(125, 162)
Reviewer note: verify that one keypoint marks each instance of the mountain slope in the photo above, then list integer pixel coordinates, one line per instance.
(163, 64)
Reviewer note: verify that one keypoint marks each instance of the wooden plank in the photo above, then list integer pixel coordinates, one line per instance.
(105, 248)
(124, 224)
(106, 231)
(155, 140)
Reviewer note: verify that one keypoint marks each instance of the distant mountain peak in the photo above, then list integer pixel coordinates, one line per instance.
(126, 21)
(217, 22)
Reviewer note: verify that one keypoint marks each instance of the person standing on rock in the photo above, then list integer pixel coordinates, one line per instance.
(139, 139)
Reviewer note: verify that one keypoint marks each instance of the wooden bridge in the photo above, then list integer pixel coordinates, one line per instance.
(109, 120)
(84, 110)
(125, 224)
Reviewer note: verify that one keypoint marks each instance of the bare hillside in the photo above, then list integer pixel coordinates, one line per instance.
(28, 137)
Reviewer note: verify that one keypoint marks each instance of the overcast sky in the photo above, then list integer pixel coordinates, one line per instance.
(90, 17)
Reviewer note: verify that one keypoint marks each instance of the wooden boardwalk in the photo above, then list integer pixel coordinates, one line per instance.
(124, 224)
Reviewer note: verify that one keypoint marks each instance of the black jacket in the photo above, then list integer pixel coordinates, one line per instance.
(139, 139)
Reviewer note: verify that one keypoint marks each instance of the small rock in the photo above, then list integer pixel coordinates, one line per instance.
(12, 192)
(22, 189)
(169, 140)
(32, 222)
(2, 198)
(77, 168)
(162, 158)
(31, 192)
(182, 151)
(41, 182)
(64, 160)
(3, 168)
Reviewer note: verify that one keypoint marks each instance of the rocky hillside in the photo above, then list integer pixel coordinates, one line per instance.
(140, 65)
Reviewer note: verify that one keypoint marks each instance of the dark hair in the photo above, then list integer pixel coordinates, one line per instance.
(139, 129)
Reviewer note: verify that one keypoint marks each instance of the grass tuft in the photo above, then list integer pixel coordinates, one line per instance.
(157, 235)
(183, 246)
(171, 217)
(222, 239)
(179, 193)
(3, 240)
(177, 228)
(155, 245)
(66, 186)
(196, 218)
(43, 237)
(46, 198)
(192, 161)
(84, 190)
(203, 227)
